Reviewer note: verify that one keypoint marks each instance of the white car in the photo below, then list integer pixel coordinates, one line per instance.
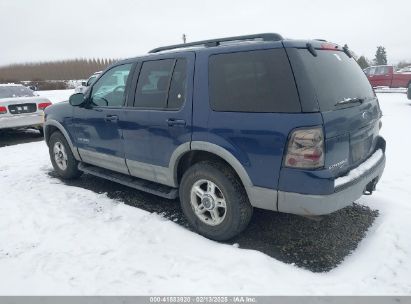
(21, 108)
(86, 84)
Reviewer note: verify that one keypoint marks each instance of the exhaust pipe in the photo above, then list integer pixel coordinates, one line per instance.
(370, 188)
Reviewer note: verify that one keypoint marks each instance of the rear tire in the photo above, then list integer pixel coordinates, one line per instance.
(409, 91)
(62, 158)
(214, 201)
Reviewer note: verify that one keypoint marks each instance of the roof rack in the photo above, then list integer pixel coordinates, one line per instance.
(217, 42)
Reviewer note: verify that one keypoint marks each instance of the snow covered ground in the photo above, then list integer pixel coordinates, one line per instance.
(61, 240)
(56, 95)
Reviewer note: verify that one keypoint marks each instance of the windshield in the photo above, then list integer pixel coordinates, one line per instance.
(15, 91)
(336, 78)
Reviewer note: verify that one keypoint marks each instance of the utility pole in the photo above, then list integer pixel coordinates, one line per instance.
(184, 38)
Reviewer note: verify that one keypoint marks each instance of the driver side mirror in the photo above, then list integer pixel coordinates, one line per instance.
(84, 83)
(77, 99)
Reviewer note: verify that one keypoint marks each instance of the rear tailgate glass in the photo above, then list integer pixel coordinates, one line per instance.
(336, 77)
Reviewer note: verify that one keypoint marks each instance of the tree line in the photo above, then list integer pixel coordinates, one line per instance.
(53, 70)
(83, 68)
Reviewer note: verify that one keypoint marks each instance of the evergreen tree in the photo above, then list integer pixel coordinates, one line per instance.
(363, 62)
(380, 56)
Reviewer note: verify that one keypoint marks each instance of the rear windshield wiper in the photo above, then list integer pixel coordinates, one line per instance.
(350, 100)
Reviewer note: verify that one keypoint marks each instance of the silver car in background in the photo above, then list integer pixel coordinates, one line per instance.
(21, 108)
(86, 84)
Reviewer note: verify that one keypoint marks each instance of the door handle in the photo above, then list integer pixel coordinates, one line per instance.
(175, 122)
(111, 118)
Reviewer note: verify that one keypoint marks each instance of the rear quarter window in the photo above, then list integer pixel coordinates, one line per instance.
(253, 81)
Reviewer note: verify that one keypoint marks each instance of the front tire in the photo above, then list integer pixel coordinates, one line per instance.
(409, 91)
(214, 201)
(62, 158)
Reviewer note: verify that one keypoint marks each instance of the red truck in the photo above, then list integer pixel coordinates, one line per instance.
(386, 76)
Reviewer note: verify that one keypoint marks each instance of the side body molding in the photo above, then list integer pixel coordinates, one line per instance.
(59, 126)
(259, 197)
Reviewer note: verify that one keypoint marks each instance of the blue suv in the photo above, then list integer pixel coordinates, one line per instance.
(227, 125)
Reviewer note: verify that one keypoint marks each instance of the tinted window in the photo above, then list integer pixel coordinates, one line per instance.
(153, 84)
(335, 77)
(15, 91)
(256, 81)
(109, 89)
(382, 70)
(371, 71)
(178, 87)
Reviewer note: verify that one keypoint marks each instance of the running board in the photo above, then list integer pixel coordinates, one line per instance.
(130, 181)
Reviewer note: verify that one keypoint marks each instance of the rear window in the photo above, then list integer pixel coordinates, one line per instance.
(256, 81)
(153, 83)
(15, 91)
(336, 77)
(162, 84)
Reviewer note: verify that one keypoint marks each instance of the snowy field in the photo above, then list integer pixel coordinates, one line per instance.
(56, 95)
(62, 240)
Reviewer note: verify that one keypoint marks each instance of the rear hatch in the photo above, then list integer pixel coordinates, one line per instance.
(346, 100)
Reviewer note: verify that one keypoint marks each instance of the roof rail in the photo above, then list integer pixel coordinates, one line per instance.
(218, 41)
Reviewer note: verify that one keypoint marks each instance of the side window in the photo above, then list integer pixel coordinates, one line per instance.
(255, 81)
(371, 71)
(162, 84)
(382, 70)
(109, 89)
(153, 84)
(178, 86)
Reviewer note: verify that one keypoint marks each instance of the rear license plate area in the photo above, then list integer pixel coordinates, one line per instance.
(22, 108)
(361, 149)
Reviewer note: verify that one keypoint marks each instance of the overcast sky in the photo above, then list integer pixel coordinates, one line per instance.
(39, 30)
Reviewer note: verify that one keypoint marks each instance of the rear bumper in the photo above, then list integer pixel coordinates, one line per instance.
(344, 195)
(19, 121)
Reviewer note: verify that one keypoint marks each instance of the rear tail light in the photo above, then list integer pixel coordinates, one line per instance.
(305, 149)
(3, 110)
(43, 105)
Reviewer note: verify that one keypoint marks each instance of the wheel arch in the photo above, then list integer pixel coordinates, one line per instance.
(51, 126)
(259, 197)
(199, 150)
